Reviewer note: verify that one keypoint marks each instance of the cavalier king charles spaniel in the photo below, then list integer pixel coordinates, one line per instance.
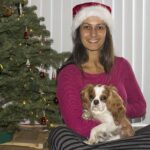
(103, 103)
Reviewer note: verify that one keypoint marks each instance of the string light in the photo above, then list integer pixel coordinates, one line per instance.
(24, 102)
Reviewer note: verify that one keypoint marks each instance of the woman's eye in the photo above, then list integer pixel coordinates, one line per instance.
(101, 27)
(86, 27)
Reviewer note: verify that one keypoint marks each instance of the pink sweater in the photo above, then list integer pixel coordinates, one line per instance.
(71, 80)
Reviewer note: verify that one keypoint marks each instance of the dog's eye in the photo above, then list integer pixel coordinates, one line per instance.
(91, 97)
(103, 98)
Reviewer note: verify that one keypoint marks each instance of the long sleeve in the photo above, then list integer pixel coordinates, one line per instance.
(136, 104)
(69, 84)
(71, 81)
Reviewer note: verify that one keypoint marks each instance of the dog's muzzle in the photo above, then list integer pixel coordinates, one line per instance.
(96, 102)
(97, 105)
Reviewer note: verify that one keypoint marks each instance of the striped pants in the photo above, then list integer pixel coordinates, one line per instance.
(62, 138)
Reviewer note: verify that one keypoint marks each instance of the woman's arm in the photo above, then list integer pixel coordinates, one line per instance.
(69, 84)
(136, 104)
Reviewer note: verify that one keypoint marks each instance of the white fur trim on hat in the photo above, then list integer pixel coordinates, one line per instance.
(86, 12)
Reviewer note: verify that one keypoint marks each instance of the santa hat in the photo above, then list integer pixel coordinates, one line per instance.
(85, 10)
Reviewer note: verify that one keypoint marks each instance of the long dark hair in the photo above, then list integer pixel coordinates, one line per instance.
(79, 54)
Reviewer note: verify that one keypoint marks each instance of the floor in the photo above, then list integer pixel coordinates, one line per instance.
(6, 147)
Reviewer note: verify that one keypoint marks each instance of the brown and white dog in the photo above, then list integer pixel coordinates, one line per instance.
(103, 103)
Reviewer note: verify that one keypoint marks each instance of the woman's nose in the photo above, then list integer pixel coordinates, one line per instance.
(93, 32)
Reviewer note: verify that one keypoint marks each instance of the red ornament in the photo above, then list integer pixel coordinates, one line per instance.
(42, 74)
(26, 34)
(55, 100)
(43, 121)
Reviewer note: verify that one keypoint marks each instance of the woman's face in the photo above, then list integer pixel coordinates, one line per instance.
(93, 33)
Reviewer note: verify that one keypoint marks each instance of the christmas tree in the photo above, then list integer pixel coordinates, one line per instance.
(27, 67)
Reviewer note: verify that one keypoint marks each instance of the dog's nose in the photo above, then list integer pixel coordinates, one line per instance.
(96, 102)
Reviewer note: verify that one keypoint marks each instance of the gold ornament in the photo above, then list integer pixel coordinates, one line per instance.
(7, 11)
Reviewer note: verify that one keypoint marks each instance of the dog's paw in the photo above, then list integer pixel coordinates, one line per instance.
(86, 115)
(89, 142)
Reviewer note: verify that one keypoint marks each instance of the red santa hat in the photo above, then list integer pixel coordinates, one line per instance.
(85, 10)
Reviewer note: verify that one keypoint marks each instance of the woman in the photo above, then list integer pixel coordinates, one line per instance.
(93, 61)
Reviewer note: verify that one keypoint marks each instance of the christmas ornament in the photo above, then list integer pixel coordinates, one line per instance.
(1, 68)
(44, 119)
(54, 75)
(19, 8)
(28, 65)
(7, 11)
(55, 100)
(26, 34)
(42, 71)
(42, 74)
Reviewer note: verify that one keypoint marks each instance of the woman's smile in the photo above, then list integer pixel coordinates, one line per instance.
(93, 41)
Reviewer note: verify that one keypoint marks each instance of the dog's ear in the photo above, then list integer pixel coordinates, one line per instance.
(127, 129)
(85, 96)
(112, 88)
(115, 104)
